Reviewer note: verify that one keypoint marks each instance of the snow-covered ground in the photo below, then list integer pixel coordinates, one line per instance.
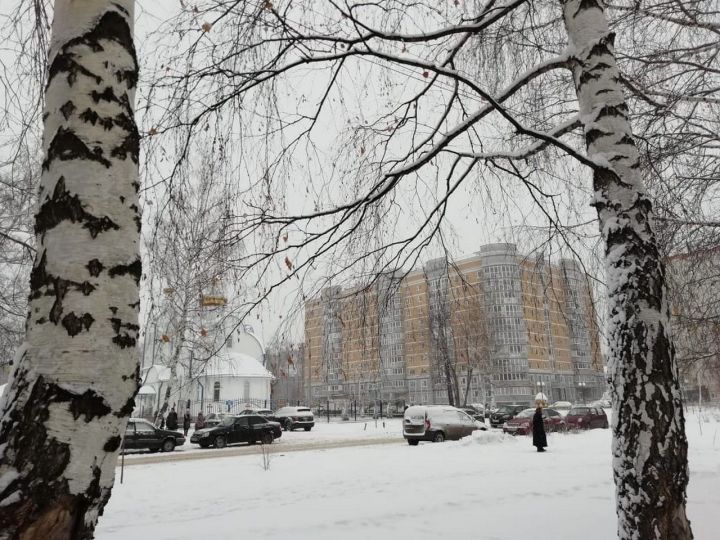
(488, 486)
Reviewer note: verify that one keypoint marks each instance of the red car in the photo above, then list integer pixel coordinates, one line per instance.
(522, 423)
(586, 418)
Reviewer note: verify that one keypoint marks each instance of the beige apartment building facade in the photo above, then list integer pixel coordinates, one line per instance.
(496, 327)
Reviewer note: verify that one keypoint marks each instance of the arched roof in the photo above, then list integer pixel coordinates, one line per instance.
(229, 363)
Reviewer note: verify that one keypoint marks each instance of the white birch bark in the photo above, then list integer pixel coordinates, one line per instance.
(73, 383)
(649, 443)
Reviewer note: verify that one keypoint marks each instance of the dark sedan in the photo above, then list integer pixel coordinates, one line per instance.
(142, 435)
(246, 428)
(505, 413)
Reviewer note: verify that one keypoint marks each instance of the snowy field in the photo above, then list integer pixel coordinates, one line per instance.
(488, 486)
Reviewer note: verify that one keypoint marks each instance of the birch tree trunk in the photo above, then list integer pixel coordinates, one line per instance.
(73, 384)
(649, 443)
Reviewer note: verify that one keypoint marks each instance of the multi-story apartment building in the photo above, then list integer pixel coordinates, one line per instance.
(494, 327)
(693, 279)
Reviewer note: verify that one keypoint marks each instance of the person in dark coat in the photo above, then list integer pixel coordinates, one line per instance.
(200, 421)
(186, 422)
(172, 421)
(539, 437)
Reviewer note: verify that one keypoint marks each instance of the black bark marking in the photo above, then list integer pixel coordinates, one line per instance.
(135, 305)
(64, 63)
(593, 135)
(586, 4)
(120, 8)
(126, 409)
(41, 320)
(63, 206)
(67, 109)
(587, 76)
(134, 269)
(123, 338)
(626, 139)
(88, 404)
(93, 490)
(122, 199)
(60, 292)
(129, 147)
(74, 324)
(67, 146)
(25, 434)
(106, 95)
(135, 375)
(114, 310)
(601, 48)
(42, 283)
(91, 117)
(136, 218)
(112, 444)
(112, 26)
(616, 111)
(94, 267)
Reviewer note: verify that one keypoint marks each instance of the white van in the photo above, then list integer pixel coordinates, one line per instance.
(437, 423)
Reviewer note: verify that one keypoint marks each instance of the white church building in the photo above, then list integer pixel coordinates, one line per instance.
(232, 378)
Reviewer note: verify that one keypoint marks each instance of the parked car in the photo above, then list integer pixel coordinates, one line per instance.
(437, 423)
(249, 428)
(267, 414)
(562, 407)
(505, 413)
(142, 435)
(522, 423)
(602, 403)
(215, 419)
(473, 413)
(295, 417)
(587, 417)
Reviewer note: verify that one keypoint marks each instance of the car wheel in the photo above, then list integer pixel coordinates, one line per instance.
(439, 437)
(413, 442)
(220, 442)
(288, 425)
(168, 445)
(267, 438)
(307, 429)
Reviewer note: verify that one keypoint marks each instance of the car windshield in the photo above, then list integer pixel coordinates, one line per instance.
(227, 421)
(579, 411)
(505, 409)
(300, 409)
(264, 411)
(527, 413)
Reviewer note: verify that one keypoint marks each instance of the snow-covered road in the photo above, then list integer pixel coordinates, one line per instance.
(323, 435)
(489, 486)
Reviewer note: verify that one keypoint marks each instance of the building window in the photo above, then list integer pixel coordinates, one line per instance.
(216, 391)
